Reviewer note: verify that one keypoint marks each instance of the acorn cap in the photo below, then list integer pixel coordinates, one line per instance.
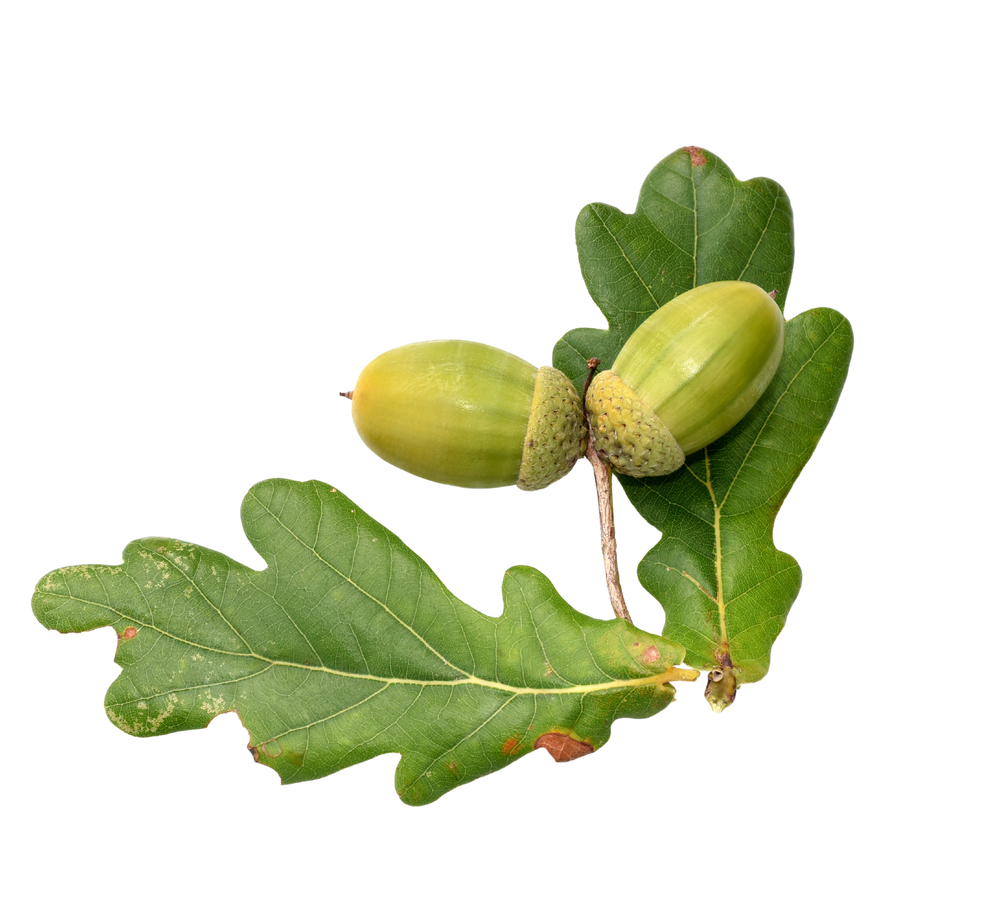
(556, 437)
(627, 434)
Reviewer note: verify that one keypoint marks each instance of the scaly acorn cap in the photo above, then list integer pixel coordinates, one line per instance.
(469, 415)
(627, 434)
(688, 374)
(556, 437)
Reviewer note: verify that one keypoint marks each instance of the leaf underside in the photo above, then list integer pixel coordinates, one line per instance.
(725, 588)
(347, 646)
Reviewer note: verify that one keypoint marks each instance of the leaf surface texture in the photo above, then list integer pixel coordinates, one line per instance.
(347, 646)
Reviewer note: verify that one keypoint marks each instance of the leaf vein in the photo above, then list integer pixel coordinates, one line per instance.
(359, 588)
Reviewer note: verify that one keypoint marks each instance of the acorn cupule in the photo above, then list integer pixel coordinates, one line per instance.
(627, 434)
(556, 437)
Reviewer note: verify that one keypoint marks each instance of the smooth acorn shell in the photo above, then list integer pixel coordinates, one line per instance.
(687, 375)
(470, 415)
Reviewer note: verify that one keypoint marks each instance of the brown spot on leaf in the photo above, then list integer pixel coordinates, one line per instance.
(455, 769)
(696, 156)
(562, 747)
(128, 633)
(255, 752)
(509, 747)
(651, 655)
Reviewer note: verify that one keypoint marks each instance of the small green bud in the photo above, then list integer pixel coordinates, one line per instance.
(469, 415)
(687, 375)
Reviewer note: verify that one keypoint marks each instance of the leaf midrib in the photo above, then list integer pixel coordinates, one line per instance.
(657, 679)
(720, 601)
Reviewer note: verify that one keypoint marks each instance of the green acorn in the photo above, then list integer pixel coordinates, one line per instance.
(470, 415)
(686, 376)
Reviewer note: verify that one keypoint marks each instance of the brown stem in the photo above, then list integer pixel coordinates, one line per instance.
(609, 546)
(605, 511)
(592, 365)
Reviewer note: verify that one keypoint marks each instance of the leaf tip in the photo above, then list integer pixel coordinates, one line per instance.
(696, 156)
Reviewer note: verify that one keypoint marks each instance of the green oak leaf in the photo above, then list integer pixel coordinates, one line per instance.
(695, 223)
(347, 646)
(725, 588)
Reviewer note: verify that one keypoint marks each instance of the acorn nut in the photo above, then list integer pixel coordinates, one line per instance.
(687, 375)
(470, 415)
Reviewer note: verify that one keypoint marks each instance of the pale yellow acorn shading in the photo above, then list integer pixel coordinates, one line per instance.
(686, 376)
(470, 415)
